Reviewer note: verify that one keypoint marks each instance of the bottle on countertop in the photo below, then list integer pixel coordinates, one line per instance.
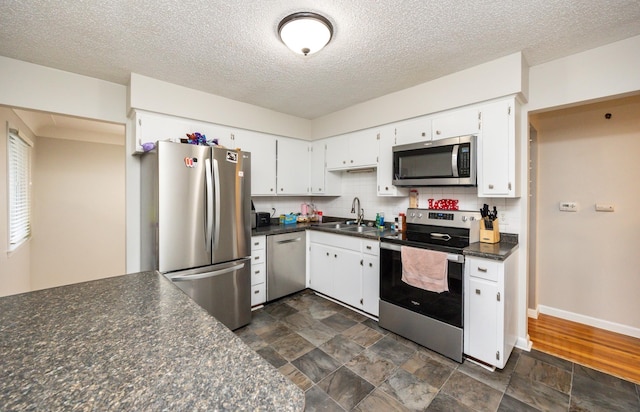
(402, 222)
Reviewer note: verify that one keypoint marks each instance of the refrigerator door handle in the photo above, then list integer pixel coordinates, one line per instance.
(209, 206)
(216, 176)
(177, 278)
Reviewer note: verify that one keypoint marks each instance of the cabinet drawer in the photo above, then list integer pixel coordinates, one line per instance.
(258, 273)
(258, 242)
(484, 269)
(336, 240)
(258, 256)
(371, 247)
(258, 294)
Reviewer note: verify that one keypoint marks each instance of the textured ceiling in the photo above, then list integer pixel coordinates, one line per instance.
(230, 48)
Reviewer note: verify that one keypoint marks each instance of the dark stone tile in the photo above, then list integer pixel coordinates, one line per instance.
(316, 364)
(295, 376)
(550, 359)
(362, 335)
(274, 331)
(374, 325)
(353, 315)
(544, 373)
(292, 346)
(260, 319)
(298, 321)
(536, 394)
(339, 322)
(249, 337)
(380, 401)
(498, 379)
(597, 391)
(341, 348)
(371, 366)
(393, 350)
(509, 404)
(471, 392)
(428, 369)
(272, 356)
(317, 400)
(318, 333)
(280, 310)
(319, 311)
(428, 353)
(412, 392)
(406, 342)
(345, 387)
(445, 403)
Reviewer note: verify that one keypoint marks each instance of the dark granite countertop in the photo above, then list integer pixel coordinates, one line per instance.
(132, 342)
(496, 251)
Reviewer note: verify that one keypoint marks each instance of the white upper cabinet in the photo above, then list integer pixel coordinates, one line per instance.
(321, 181)
(387, 138)
(263, 160)
(153, 127)
(293, 166)
(352, 151)
(455, 123)
(413, 130)
(497, 150)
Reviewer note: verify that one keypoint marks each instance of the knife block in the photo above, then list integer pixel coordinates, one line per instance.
(489, 235)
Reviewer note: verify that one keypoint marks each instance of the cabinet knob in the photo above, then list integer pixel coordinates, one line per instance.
(438, 132)
(370, 265)
(368, 247)
(483, 270)
(327, 253)
(271, 190)
(477, 291)
(335, 256)
(386, 188)
(490, 186)
(256, 272)
(352, 161)
(361, 262)
(281, 189)
(256, 292)
(362, 301)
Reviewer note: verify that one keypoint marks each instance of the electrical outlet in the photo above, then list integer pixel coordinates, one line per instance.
(502, 216)
(568, 206)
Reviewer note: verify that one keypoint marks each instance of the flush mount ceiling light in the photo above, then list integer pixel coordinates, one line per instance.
(305, 32)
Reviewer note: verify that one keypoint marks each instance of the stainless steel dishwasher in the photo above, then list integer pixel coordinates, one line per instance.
(285, 264)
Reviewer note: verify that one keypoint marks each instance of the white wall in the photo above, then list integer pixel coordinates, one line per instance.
(497, 78)
(78, 212)
(30, 86)
(15, 266)
(588, 261)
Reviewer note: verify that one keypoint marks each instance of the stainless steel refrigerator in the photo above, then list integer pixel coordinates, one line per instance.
(196, 228)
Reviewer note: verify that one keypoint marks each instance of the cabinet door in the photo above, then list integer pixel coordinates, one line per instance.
(337, 152)
(385, 164)
(317, 172)
(363, 148)
(370, 284)
(413, 130)
(482, 320)
(496, 152)
(348, 277)
(321, 272)
(455, 123)
(293, 167)
(263, 160)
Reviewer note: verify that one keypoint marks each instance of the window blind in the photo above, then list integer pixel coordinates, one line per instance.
(19, 161)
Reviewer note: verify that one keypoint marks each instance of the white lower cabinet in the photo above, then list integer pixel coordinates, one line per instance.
(258, 270)
(345, 268)
(489, 319)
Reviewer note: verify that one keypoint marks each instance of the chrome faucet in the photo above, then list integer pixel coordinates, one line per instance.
(358, 210)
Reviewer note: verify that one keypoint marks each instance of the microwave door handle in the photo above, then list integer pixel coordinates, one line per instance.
(454, 160)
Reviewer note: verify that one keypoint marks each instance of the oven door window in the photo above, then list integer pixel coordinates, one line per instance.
(445, 306)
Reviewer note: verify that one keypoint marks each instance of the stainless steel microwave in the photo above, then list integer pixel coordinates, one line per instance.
(445, 162)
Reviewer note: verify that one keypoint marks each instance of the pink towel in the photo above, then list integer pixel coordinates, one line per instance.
(425, 269)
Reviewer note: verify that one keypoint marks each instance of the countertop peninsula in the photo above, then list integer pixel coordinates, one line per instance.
(132, 342)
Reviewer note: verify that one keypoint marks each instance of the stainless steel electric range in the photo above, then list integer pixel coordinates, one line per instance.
(434, 320)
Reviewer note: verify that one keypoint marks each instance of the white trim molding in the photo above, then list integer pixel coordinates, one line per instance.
(588, 320)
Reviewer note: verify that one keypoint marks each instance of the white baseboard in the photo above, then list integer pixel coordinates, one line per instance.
(588, 320)
(533, 313)
(524, 343)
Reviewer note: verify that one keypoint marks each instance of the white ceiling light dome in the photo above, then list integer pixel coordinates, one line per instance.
(305, 32)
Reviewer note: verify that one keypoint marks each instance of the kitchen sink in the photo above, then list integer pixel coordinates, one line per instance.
(359, 229)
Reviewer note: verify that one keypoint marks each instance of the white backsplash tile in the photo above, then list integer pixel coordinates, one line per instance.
(364, 186)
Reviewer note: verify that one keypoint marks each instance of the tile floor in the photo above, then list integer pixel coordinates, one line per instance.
(345, 362)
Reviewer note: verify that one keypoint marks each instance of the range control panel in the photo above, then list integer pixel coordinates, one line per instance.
(446, 218)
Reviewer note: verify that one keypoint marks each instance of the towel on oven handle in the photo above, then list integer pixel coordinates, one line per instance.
(425, 269)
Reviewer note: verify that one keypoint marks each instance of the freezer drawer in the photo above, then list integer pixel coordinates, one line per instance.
(223, 290)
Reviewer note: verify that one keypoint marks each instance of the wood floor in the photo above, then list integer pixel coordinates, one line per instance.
(608, 352)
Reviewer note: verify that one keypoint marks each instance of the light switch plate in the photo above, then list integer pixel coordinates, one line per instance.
(568, 206)
(601, 207)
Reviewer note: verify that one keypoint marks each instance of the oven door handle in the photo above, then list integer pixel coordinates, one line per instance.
(441, 236)
(398, 248)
